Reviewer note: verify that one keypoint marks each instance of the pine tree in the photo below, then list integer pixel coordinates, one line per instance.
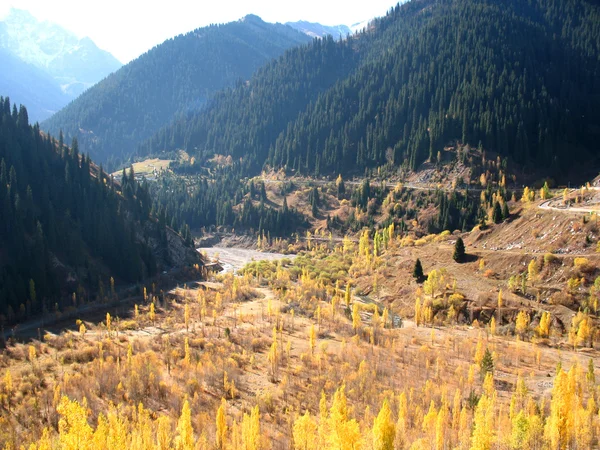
(459, 251)
(418, 274)
(497, 213)
(505, 211)
(487, 364)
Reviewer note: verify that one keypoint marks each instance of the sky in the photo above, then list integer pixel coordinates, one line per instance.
(128, 28)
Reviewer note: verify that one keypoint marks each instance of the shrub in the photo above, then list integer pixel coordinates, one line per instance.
(549, 258)
(580, 262)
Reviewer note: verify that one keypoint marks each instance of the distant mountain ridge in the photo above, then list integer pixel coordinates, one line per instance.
(60, 57)
(30, 85)
(317, 30)
(75, 63)
(173, 78)
(517, 78)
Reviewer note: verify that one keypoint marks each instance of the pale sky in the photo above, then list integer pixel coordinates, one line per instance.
(127, 28)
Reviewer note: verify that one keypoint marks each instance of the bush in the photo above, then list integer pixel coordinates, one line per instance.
(80, 355)
(549, 258)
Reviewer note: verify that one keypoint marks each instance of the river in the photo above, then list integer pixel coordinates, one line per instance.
(233, 259)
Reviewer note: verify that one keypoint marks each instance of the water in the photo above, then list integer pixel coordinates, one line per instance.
(233, 259)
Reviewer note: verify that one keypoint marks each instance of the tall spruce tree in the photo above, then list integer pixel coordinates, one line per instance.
(459, 251)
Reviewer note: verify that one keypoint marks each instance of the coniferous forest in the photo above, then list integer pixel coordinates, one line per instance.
(210, 204)
(66, 226)
(519, 77)
(176, 77)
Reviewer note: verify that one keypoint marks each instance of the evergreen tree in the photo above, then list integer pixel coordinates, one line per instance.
(487, 364)
(497, 213)
(505, 211)
(418, 274)
(459, 251)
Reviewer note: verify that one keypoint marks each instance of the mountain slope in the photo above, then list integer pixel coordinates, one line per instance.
(75, 64)
(66, 227)
(177, 76)
(317, 30)
(29, 85)
(519, 77)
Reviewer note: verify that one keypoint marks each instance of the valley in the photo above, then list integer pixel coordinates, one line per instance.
(288, 235)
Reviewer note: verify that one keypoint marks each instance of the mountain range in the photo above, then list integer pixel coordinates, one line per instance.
(173, 78)
(319, 31)
(41, 52)
(518, 78)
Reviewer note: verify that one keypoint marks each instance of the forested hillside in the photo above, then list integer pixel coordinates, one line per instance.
(519, 78)
(66, 227)
(177, 76)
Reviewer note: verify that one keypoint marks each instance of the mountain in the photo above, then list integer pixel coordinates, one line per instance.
(320, 31)
(29, 85)
(74, 63)
(67, 227)
(359, 26)
(177, 76)
(518, 78)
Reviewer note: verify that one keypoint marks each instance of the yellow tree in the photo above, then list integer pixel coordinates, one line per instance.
(384, 317)
(186, 317)
(186, 352)
(584, 332)
(185, 433)
(304, 432)
(483, 424)
(251, 430)
(32, 354)
(522, 323)
(75, 433)
(440, 429)
(163, 433)
(343, 434)
(347, 295)
(401, 423)
(273, 357)
(152, 313)
(418, 311)
(312, 338)
(356, 322)
(559, 423)
(221, 424)
(532, 271)
(384, 430)
(544, 326)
